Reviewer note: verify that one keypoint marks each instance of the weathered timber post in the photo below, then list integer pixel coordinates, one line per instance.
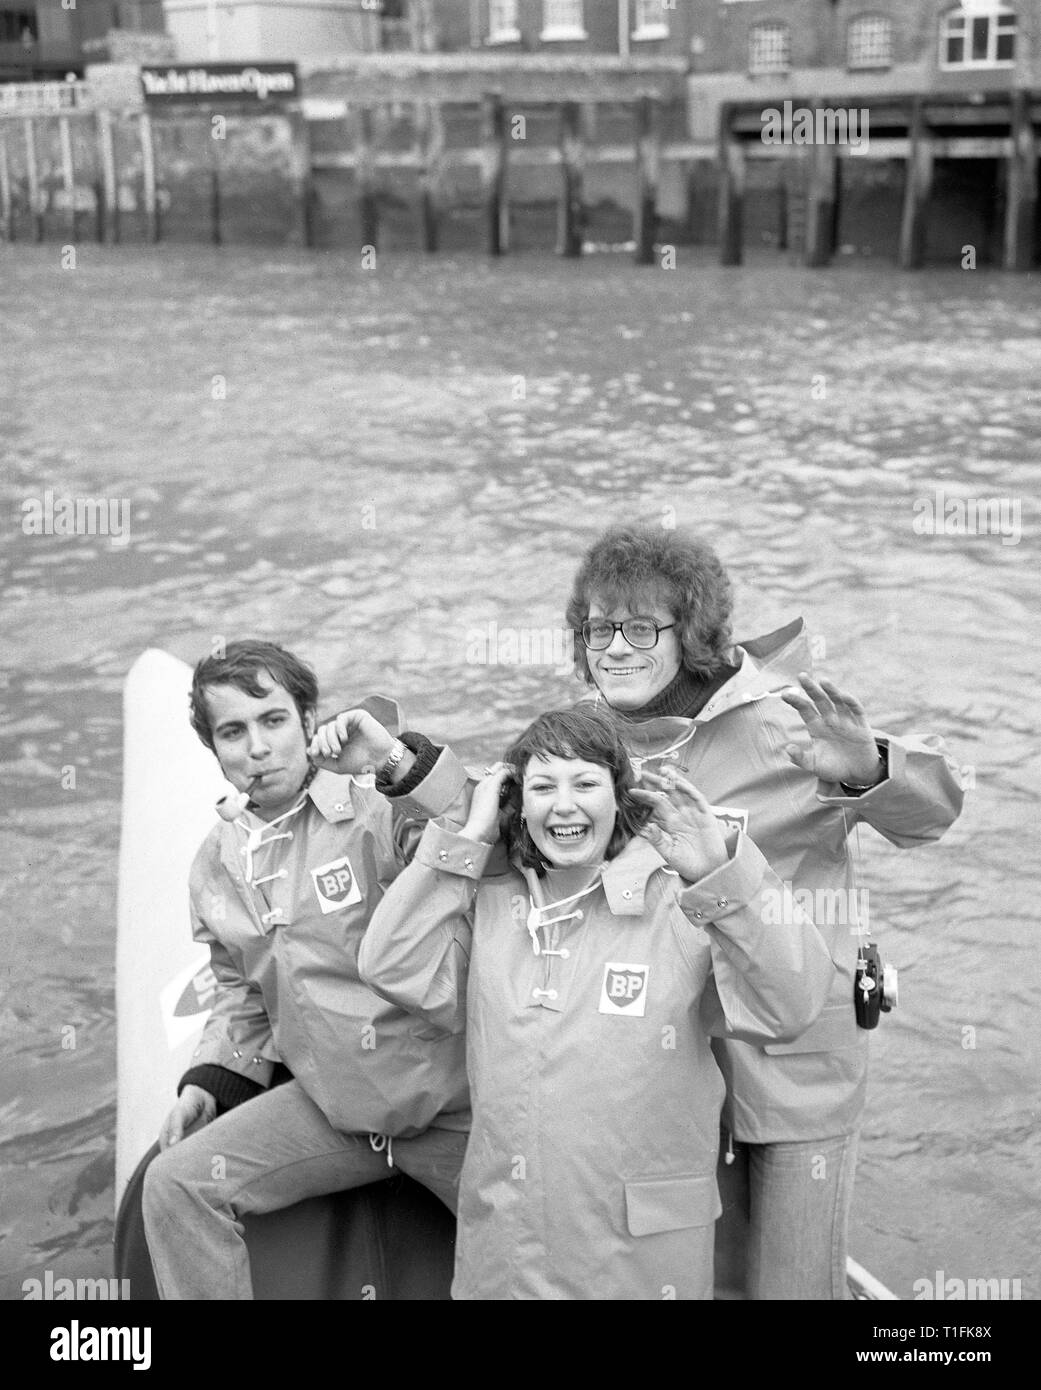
(216, 211)
(648, 164)
(731, 190)
(570, 215)
(1021, 204)
(918, 181)
(433, 148)
(300, 175)
(493, 141)
(151, 199)
(68, 175)
(108, 222)
(6, 200)
(365, 178)
(33, 175)
(820, 208)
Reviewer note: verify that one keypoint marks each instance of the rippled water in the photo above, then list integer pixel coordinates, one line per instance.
(406, 454)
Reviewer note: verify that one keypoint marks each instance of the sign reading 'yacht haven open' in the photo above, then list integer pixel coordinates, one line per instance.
(208, 82)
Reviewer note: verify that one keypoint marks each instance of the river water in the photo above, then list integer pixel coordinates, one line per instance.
(371, 465)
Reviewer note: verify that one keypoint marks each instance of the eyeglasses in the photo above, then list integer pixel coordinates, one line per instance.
(640, 633)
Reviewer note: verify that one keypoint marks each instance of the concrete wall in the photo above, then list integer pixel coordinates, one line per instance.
(267, 30)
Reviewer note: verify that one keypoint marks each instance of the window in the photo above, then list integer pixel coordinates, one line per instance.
(869, 42)
(651, 20)
(972, 40)
(562, 19)
(769, 48)
(18, 26)
(502, 21)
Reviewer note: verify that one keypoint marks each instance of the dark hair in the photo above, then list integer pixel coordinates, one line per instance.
(590, 734)
(240, 666)
(634, 563)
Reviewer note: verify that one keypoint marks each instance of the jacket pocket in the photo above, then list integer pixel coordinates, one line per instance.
(835, 1030)
(670, 1204)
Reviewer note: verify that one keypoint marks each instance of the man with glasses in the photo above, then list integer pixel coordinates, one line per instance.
(794, 762)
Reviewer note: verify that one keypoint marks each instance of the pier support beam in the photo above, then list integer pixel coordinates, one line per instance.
(6, 201)
(32, 171)
(150, 197)
(1021, 203)
(821, 204)
(364, 173)
(648, 164)
(68, 175)
(918, 182)
(432, 124)
(108, 219)
(570, 215)
(731, 192)
(496, 207)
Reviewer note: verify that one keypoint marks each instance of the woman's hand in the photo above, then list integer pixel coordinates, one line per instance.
(353, 742)
(842, 746)
(482, 824)
(682, 828)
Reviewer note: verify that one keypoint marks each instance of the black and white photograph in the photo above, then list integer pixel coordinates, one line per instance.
(519, 625)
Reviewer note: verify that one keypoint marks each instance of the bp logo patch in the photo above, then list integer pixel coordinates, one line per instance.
(624, 990)
(335, 885)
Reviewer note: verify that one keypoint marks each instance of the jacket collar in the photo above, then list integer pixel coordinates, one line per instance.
(625, 878)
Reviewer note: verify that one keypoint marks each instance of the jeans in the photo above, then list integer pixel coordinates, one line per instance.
(269, 1153)
(783, 1231)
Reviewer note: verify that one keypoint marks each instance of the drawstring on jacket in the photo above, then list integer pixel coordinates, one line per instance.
(379, 1142)
(533, 923)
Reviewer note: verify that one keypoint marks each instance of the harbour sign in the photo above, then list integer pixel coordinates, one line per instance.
(208, 82)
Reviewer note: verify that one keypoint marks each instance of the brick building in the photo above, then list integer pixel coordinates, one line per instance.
(42, 39)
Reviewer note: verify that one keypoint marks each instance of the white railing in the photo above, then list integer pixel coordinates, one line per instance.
(29, 98)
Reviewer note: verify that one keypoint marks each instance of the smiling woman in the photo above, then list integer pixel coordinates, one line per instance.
(644, 935)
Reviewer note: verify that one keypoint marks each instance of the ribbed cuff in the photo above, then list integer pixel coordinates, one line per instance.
(427, 754)
(226, 1087)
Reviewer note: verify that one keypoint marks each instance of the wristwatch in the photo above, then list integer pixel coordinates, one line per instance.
(857, 789)
(396, 754)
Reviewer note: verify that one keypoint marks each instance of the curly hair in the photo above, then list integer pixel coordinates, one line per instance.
(240, 666)
(634, 565)
(592, 735)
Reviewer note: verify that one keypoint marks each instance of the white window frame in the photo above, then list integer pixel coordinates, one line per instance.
(866, 31)
(651, 20)
(784, 33)
(556, 29)
(1001, 20)
(502, 21)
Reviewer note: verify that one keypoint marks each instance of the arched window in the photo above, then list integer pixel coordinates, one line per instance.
(769, 48)
(869, 42)
(974, 38)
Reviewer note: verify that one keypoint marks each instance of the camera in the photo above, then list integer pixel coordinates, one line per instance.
(874, 986)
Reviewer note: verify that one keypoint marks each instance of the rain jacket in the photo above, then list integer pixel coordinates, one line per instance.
(285, 956)
(591, 1167)
(734, 753)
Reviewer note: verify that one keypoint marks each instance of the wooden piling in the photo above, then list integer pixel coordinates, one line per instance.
(216, 200)
(1021, 202)
(918, 181)
(149, 193)
(300, 175)
(109, 220)
(570, 215)
(731, 191)
(496, 206)
(648, 163)
(6, 200)
(365, 178)
(820, 205)
(432, 136)
(68, 175)
(32, 171)
(782, 205)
